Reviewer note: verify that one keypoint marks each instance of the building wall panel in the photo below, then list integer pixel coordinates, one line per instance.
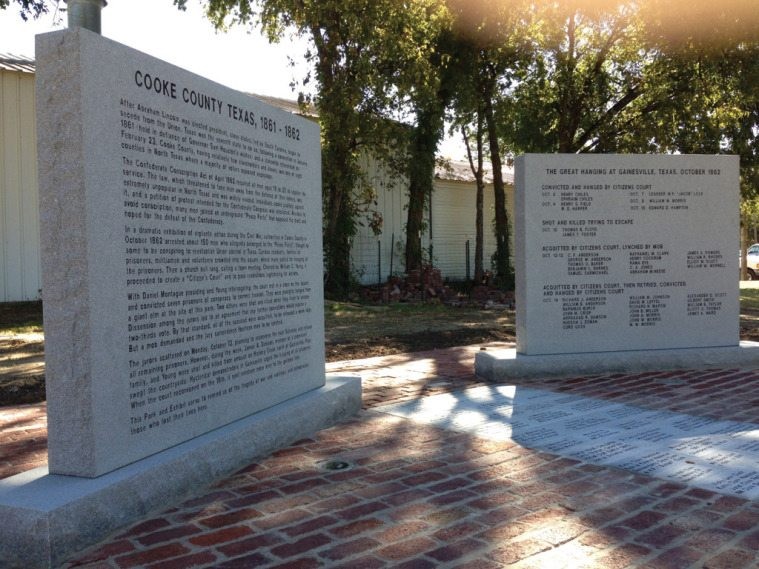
(19, 217)
(453, 224)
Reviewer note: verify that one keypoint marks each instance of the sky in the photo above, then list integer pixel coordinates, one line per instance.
(239, 58)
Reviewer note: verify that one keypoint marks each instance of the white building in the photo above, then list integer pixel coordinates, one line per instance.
(450, 221)
(19, 216)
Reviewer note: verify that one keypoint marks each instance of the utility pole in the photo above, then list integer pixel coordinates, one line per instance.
(85, 14)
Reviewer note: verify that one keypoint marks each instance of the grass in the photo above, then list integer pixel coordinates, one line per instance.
(749, 299)
(16, 330)
(20, 317)
(346, 322)
(339, 308)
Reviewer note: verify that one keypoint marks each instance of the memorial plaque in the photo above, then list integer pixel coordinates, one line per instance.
(182, 263)
(626, 252)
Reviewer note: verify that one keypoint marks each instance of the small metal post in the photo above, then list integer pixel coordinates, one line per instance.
(466, 253)
(85, 14)
(432, 262)
(379, 263)
(392, 251)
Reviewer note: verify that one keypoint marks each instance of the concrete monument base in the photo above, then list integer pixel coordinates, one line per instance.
(500, 365)
(47, 518)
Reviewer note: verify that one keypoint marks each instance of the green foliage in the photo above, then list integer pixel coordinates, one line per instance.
(27, 8)
(580, 81)
(569, 76)
(713, 75)
(627, 76)
(364, 60)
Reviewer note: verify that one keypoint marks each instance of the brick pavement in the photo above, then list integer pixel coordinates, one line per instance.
(419, 496)
(23, 438)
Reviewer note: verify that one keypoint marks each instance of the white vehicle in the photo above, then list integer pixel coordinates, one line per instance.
(752, 262)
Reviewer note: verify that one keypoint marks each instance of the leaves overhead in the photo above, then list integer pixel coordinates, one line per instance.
(368, 59)
(28, 8)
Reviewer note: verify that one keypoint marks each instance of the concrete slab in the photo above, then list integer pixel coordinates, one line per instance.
(47, 518)
(500, 365)
(686, 449)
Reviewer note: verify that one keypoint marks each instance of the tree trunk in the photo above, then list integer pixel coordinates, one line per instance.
(338, 175)
(421, 172)
(414, 225)
(503, 273)
(479, 245)
(338, 226)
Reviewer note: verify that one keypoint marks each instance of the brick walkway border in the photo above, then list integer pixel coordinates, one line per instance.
(418, 496)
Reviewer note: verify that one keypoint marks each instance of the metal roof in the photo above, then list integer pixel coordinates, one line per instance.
(10, 62)
(460, 171)
(286, 105)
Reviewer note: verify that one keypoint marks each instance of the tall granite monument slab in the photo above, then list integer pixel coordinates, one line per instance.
(182, 286)
(181, 231)
(624, 262)
(626, 252)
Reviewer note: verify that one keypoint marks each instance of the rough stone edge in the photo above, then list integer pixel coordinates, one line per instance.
(49, 518)
(500, 365)
(520, 262)
(63, 246)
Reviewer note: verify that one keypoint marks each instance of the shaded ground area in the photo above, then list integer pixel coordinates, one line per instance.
(355, 331)
(22, 365)
(352, 331)
(403, 343)
(21, 316)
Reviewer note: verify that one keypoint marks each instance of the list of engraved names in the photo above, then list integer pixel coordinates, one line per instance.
(217, 297)
(618, 243)
(583, 304)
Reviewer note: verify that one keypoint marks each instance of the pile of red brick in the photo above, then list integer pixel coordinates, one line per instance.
(427, 285)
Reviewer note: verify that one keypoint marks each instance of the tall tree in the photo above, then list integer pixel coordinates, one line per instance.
(501, 261)
(714, 80)
(487, 40)
(585, 84)
(618, 75)
(468, 117)
(425, 137)
(476, 164)
(715, 72)
(358, 49)
(424, 85)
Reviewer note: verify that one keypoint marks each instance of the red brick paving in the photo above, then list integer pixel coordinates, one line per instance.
(23, 438)
(418, 496)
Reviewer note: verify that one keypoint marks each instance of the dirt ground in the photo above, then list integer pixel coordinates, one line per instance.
(355, 331)
(22, 365)
(352, 331)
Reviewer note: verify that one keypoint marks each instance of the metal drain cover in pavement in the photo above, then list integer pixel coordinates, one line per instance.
(335, 465)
